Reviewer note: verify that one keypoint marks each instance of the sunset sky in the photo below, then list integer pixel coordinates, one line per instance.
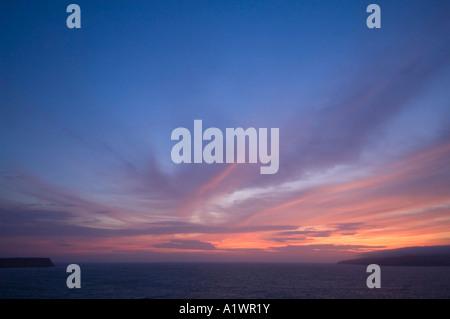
(86, 118)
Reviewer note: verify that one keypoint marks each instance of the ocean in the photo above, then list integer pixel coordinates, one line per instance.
(224, 281)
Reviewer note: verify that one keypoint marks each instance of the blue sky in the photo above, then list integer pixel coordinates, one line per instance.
(86, 118)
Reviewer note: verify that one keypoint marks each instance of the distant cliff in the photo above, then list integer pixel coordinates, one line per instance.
(25, 262)
(411, 260)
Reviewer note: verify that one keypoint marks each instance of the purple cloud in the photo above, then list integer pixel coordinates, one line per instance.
(60, 223)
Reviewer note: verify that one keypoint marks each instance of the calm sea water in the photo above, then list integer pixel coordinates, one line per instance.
(225, 281)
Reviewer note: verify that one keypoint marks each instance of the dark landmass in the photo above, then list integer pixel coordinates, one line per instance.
(25, 262)
(412, 260)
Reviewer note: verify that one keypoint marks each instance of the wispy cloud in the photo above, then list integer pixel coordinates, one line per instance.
(186, 244)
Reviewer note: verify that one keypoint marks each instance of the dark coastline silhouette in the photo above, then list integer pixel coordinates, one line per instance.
(25, 262)
(409, 260)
